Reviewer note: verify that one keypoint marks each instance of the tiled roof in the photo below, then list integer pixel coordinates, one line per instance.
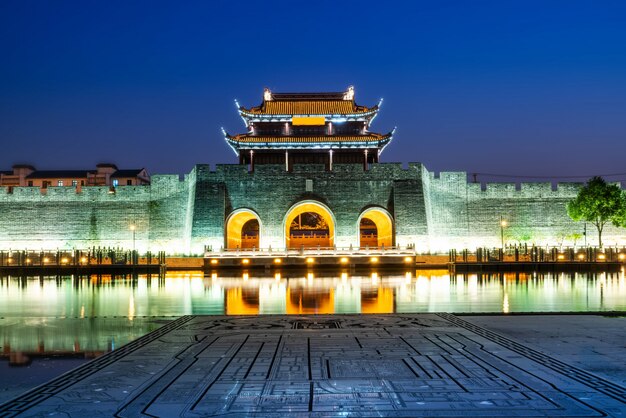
(337, 139)
(60, 174)
(127, 173)
(308, 107)
(336, 95)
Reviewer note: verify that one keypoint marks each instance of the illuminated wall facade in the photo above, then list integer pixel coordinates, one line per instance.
(433, 213)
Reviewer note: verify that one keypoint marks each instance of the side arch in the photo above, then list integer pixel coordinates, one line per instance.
(383, 221)
(309, 206)
(234, 238)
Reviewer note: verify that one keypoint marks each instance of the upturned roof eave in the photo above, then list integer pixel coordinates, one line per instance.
(250, 114)
(381, 142)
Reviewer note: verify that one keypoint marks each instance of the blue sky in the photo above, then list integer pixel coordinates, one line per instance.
(528, 88)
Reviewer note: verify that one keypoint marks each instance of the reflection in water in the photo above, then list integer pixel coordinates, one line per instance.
(93, 314)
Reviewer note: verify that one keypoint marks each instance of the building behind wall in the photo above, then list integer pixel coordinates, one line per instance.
(308, 174)
(105, 174)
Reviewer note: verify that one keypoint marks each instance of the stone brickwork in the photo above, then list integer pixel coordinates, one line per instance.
(433, 213)
(63, 218)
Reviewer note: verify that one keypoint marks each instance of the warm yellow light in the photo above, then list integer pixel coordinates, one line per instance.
(344, 260)
(408, 259)
(344, 277)
(46, 260)
(601, 256)
(308, 120)
(64, 260)
(245, 276)
(213, 276)
(83, 259)
(277, 276)
(622, 256)
(310, 260)
(214, 261)
(245, 261)
(310, 276)
(309, 206)
(503, 223)
(374, 259)
(407, 275)
(278, 261)
(28, 261)
(581, 257)
(374, 276)
(9, 259)
(133, 227)
(384, 225)
(234, 227)
(560, 257)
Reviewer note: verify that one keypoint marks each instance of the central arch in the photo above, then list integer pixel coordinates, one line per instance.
(300, 234)
(375, 228)
(243, 229)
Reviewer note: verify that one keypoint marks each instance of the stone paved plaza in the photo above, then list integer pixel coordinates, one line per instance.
(417, 365)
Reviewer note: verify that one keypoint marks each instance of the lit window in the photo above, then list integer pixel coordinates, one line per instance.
(116, 182)
(60, 183)
(74, 183)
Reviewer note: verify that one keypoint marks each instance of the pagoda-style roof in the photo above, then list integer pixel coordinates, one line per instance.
(282, 106)
(246, 141)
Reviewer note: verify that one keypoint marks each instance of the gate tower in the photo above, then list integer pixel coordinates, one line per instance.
(308, 128)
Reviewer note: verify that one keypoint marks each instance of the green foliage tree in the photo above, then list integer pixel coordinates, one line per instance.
(599, 203)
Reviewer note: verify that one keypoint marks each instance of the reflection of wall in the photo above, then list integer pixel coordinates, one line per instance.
(69, 336)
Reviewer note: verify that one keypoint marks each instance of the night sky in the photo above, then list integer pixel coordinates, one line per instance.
(526, 88)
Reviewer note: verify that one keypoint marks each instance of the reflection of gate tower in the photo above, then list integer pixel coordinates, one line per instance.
(305, 128)
(290, 129)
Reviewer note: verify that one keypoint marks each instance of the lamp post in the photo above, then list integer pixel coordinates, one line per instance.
(502, 225)
(133, 228)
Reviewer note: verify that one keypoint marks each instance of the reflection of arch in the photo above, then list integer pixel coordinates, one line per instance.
(234, 226)
(317, 208)
(383, 230)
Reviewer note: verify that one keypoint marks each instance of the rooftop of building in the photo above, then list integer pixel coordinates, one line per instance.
(102, 168)
(47, 174)
(134, 172)
(329, 103)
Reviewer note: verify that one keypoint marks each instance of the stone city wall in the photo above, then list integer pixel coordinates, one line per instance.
(432, 213)
(467, 215)
(270, 192)
(62, 218)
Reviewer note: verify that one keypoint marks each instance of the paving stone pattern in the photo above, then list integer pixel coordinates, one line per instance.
(424, 365)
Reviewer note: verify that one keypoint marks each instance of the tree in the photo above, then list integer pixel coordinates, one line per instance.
(598, 203)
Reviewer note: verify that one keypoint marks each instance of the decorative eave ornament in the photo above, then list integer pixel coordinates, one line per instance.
(349, 94)
(267, 95)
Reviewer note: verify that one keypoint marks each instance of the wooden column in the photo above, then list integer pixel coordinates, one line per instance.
(365, 160)
(330, 160)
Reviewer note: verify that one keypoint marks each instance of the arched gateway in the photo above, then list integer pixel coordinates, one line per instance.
(309, 224)
(243, 229)
(375, 228)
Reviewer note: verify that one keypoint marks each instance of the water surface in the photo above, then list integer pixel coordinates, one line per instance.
(78, 318)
